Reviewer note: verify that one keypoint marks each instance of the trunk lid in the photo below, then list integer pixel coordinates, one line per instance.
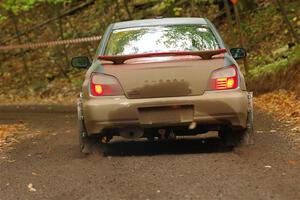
(172, 76)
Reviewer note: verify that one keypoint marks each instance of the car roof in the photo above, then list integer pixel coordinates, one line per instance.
(158, 22)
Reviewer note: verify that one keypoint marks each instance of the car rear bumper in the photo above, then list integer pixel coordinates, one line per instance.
(229, 107)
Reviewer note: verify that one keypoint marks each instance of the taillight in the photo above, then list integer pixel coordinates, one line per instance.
(224, 78)
(105, 85)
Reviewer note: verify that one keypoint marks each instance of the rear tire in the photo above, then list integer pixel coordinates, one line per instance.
(229, 137)
(232, 138)
(248, 133)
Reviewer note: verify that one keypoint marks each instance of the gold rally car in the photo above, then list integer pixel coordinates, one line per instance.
(162, 78)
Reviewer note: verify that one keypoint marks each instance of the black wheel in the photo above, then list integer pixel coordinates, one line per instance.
(229, 137)
(232, 138)
(248, 133)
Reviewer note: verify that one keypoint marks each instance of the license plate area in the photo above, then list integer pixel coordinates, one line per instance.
(166, 114)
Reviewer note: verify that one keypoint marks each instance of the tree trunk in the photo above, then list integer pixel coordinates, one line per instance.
(288, 23)
(193, 7)
(118, 10)
(127, 9)
(61, 32)
(15, 23)
(228, 16)
(87, 45)
(248, 4)
(50, 20)
(241, 35)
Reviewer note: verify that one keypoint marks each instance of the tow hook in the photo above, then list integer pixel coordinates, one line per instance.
(162, 134)
(172, 135)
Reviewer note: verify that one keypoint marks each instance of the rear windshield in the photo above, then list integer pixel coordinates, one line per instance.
(161, 39)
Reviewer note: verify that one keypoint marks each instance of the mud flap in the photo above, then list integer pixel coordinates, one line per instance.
(248, 135)
(85, 142)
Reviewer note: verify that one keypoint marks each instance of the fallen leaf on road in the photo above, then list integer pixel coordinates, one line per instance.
(296, 129)
(12, 134)
(31, 188)
(291, 162)
(49, 150)
(34, 174)
(284, 105)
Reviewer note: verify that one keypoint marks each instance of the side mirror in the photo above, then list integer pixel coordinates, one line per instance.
(238, 53)
(81, 62)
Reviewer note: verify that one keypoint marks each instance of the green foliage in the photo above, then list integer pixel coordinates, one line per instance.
(167, 3)
(17, 6)
(173, 8)
(77, 82)
(2, 18)
(177, 11)
(290, 58)
(57, 1)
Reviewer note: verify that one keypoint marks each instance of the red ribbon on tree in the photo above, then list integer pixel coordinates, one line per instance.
(234, 1)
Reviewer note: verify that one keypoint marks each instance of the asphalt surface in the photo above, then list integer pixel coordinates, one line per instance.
(51, 166)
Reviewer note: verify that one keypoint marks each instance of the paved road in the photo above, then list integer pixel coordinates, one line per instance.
(186, 169)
